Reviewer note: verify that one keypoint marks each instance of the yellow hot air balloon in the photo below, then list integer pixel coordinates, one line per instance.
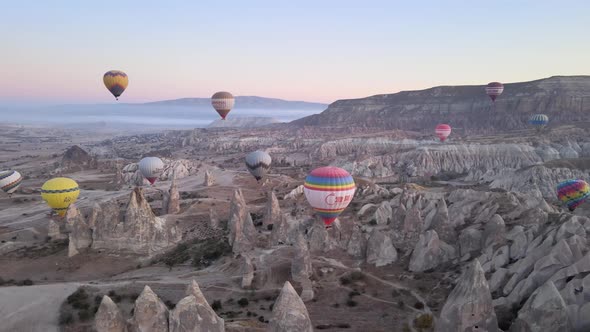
(59, 193)
(116, 81)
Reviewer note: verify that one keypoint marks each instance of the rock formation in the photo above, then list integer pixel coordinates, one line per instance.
(171, 200)
(54, 231)
(80, 236)
(289, 314)
(560, 97)
(150, 313)
(302, 270)
(544, 311)
(469, 306)
(247, 271)
(242, 233)
(209, 179)
(430, 252)
(380, 250)
(108, 318)
(193, 313)
(272, 212)
(139, 232)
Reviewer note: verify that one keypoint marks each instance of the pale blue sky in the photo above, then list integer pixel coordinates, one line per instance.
(57, 51)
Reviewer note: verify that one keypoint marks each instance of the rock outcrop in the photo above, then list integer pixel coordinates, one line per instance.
(272, 211)
(289, 313)
(430, 252)
(171, 199)
(139, 231)
(544, 311)
(193, 313)
(80, 236)
(54, 231)
(209, 179)
(150, 313)
(242, 233)
(108, 318)
(469, 306)
(380, 249)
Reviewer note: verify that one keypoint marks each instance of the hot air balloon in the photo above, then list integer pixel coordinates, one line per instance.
(442, 131)
(151, 168)
(494, 89)
(223, 102)
(59, 193)
(116, 82)
(539, 120)
(10, 181)
(258, 163)
(573, 193)
(329, 190)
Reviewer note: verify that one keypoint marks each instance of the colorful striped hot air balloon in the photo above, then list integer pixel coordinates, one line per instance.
(329, 190)
(258, 163)
(116, 82)
(151, 168)
(573, 193)
(223, 102)
(442, 131)
(10, 181)
(59, 193)
(494, 90)
(539, 120)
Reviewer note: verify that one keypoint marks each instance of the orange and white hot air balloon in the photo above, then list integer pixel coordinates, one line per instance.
(223, 102)
(442, 131)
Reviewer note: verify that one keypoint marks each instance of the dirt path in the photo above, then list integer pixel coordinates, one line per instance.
(33, 308)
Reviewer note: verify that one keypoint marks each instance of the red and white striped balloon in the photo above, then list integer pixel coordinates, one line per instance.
(442, 131)
(494, 89)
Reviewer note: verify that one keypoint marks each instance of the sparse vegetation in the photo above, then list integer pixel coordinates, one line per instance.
(171, 305)
(216, 305)
(351, 303)
(419, 305)
(423, 321)
(352, 277)
(243, 302)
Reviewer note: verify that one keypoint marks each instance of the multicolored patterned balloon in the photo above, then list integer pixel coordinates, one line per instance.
(494, 90)
(573, 193)
(329, 190)
(539, 120)
(10, 181)
(116, 82)
(442, 131)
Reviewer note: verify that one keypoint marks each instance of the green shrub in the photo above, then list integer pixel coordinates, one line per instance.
(351, 303)
(216, 305)
(243, 302)
(424, 321)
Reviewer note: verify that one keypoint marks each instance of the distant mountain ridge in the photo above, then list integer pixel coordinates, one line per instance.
(564, 99)
(243, 102)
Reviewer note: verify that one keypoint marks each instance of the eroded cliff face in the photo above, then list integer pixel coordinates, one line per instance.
(562, 98)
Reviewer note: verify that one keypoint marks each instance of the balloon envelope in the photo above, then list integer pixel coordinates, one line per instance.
(10, 181)
(116, 82)
(258, 163)
(151, 168)
(494, 89)
(573, 193)
(539, 120)
(223, 102)
(442, 131)
(59, 193)
(329, 190)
